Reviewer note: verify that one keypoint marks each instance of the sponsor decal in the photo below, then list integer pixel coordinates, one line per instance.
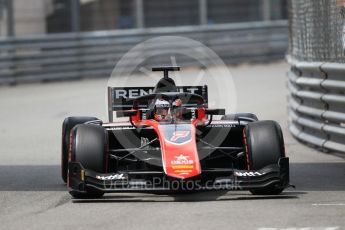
(182, 165)
(222, 125)
(121, 128)
(120, 95)
(193, 113)
(143, 115)
(182, 160)
(131, 92)
(134, 92)
(111, 177)
(179, 134)
(248, 174)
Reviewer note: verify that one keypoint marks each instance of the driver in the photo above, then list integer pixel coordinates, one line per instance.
(162, 110)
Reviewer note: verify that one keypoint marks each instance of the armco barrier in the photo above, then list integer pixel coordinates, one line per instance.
(317, 104)
(94, 54)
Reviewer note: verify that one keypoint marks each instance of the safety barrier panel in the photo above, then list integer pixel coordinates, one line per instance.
(317, 104)
(94, 54)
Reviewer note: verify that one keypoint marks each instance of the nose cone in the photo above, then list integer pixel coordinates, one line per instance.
(179, 153)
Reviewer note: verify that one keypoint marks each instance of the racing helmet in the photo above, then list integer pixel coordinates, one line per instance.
(161, 110)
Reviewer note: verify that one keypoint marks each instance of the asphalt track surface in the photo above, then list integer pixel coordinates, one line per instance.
(32, 195)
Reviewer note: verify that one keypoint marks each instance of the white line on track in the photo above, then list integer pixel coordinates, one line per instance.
(329, 204)
(303, 228)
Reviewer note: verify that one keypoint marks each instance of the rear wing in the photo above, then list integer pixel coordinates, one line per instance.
(121, 98)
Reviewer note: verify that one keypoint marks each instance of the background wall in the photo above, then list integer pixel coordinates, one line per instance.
(32, 17)
(62, 39)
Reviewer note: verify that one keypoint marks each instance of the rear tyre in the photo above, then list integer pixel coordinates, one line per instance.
(265, 145)
(67, 126)
(236, 116)
(90, 148)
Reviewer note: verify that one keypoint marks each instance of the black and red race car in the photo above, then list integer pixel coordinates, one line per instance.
(170, 142)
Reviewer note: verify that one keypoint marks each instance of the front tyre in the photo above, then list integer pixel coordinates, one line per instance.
(264, 146)
(90, 149)
(68, 124)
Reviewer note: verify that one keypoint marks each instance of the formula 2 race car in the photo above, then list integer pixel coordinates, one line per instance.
(170, 142)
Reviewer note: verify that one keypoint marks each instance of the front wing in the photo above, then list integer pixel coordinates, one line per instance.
(81, 179)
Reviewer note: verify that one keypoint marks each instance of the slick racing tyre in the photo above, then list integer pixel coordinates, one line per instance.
(236, 116)
(90, 149)
(265, 145)
(67, 126)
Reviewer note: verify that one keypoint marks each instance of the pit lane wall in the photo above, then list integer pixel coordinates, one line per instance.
(316, 80)
(94, 54)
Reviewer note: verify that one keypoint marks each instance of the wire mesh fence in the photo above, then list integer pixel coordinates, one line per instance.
(316, 30)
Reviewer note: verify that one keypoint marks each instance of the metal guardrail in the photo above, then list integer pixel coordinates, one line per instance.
(79, 55)
(317, 104)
